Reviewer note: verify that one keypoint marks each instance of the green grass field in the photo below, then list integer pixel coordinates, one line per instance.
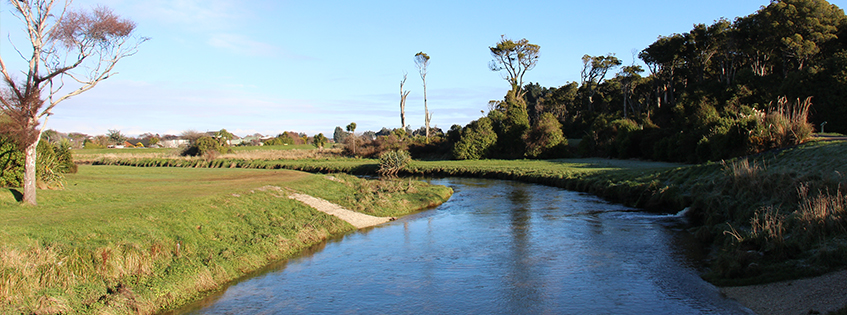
(175, 151)
(128, 239)
(786, 205)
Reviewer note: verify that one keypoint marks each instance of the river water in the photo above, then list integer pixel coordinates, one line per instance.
(496, 247)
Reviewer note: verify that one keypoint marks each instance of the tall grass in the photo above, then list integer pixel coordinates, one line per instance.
(798, 225)
(788, 122)
(820, 217)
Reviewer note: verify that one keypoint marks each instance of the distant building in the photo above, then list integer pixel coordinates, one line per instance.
(249, 140)
(176, 143)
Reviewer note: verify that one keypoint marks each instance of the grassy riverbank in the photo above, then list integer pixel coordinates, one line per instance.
(778, 215)
(137, 240)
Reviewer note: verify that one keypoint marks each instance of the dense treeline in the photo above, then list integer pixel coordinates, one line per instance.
(719, 90)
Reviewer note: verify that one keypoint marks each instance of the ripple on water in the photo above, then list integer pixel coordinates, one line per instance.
(494, 247)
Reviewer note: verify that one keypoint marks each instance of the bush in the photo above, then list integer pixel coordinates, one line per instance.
(320, 140)
(206, 147)
(88, 144)
(392, 162)
(51, 163)
(545, 139)
(11, 163)
(478, 138)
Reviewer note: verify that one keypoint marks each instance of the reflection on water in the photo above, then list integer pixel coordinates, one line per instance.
(495, 247)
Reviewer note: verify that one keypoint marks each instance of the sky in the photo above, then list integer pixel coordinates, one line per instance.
(308, 66)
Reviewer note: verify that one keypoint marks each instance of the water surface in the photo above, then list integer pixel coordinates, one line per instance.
(494, 247)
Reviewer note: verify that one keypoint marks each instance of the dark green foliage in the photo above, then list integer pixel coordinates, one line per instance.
(339, 135)
(11, 163)
(545, 139)
(514, 124)
(207, 147)
(320, 140)
(51, 163)
(716, 91)
(477, 140)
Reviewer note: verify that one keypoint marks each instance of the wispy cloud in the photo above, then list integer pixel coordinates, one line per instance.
(243, 46)
(195, 14)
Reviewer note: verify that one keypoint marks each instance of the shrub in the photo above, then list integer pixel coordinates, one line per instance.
(478, 138)
(389, 143)
(320, 140)
(546, 136)
(11, 163)
(88, 144)
(392, 162)
(515, 126)
(624, 144)
(206, 147)
(788, 123)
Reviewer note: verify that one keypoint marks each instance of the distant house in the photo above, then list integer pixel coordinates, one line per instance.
(176, 143)
(249, 140)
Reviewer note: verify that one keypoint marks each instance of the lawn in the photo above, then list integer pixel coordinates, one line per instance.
(130, 239)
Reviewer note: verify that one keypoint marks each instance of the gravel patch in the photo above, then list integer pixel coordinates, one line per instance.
(818, 295)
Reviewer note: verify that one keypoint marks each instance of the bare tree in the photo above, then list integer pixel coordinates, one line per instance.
(422, 61)
(78, 46)
(191, 135)
(403, 94)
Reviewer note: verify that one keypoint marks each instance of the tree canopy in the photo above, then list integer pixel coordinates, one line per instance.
(516, 57)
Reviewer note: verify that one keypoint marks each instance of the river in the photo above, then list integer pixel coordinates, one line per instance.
(496, 247)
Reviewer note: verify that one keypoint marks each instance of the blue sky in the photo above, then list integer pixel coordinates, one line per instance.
(308, 66)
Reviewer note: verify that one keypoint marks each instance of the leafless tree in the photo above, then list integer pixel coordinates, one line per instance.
(80, 47)
(403, 95)
(422, 61)
(192, 135)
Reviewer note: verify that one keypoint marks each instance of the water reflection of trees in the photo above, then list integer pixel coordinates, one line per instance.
(525, 288)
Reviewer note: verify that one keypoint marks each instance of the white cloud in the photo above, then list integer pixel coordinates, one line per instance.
(242, 45)
(195, 14)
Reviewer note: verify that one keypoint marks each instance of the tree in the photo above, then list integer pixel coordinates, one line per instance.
(82, 47)
(352, 141)
(191, 135)
(339, 135)
(403, 94)
(594, 70)
(320, 140)
(629, 77)
(516, 58)
(226, 136)
(115, 136)
(422, 61)
(662, 58)
(801, 28)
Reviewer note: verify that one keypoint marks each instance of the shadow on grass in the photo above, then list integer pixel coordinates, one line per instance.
(18, 195)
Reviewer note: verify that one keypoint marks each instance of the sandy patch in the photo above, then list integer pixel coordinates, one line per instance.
(359, 220)
(818, 295)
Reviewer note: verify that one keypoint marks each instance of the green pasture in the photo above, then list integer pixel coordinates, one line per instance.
(129, 239)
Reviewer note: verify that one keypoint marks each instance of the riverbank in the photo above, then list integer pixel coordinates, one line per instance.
(775, 216)
(141, 240)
